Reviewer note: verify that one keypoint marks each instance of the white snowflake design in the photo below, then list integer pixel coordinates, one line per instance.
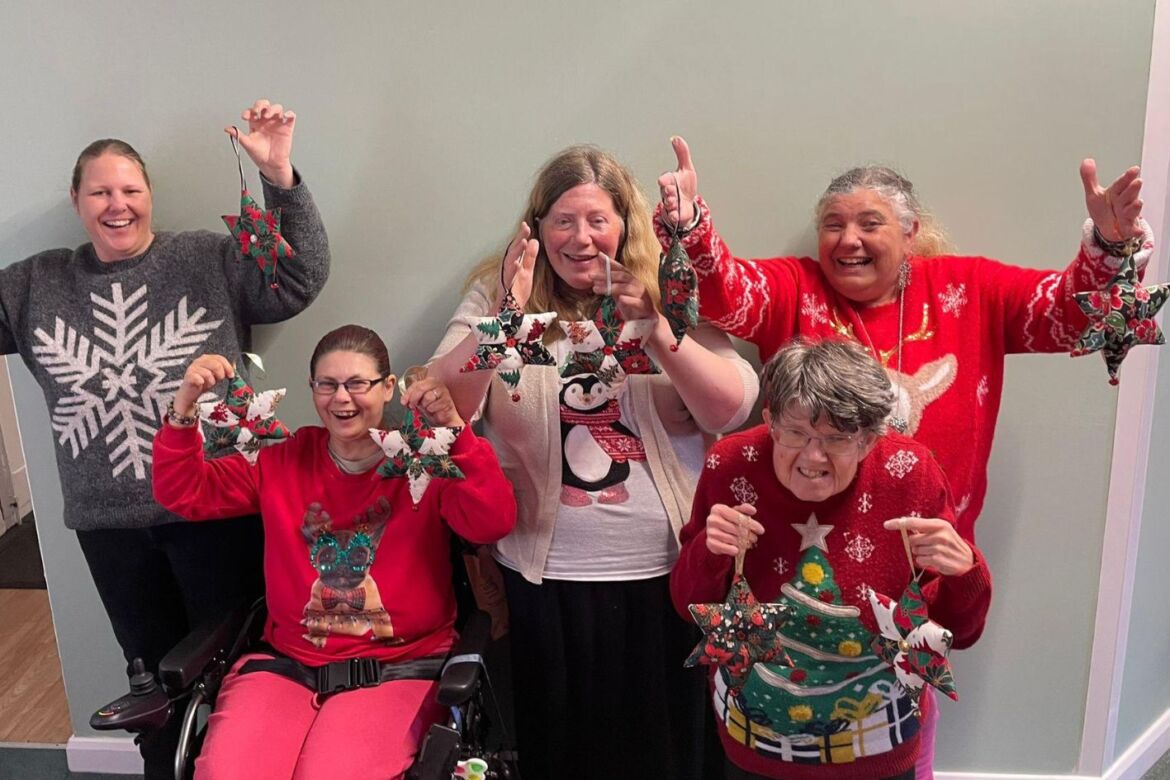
(901, 463)
(858, 547)
(861, 593)
(780, 566)
(865, 503)
(751, 454)
(953, 299)
(915, 513)
(816, 311)
(982, 389)
(121, 385)
(712, 461)
(743, 491)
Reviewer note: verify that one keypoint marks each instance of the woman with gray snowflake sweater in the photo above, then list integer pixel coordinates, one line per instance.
(107, 330)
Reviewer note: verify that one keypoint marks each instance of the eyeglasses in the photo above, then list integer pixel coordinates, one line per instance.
(794, 438)
(352, 386)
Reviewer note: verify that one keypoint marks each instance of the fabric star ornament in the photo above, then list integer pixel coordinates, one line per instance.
(679, 286)
(1121, 316)
(509, 341)
(912, 644)
(244, 419)
(739, 633)
(608, 346)
(258, 232)
(418, 452)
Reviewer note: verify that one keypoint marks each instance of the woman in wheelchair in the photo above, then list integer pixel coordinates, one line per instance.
(354, 568)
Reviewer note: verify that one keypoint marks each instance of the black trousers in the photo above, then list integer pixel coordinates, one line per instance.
(158, 583)
(599, 682)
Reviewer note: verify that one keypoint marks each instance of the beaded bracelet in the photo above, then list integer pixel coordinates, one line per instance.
(180, 420)
(1123, 248)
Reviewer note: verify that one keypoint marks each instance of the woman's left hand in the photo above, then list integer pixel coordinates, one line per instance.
(1115, 209)
(431, 397)
(633, 300)
(935, 545)
(269, 140)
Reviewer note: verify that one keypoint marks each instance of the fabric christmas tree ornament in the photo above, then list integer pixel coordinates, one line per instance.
(244, 419)
(418, 452)
(678, 285)
(912, 644)
(837, 702)
(509, 341)
(257, 229)
(1121, 316)
(608, 346)
(738, 633)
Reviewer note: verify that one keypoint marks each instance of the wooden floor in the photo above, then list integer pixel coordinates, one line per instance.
(32, 695)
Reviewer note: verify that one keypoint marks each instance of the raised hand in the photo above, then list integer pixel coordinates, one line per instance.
(268, 140)
(679, 187)
(519, 262)
(431, 397)
(935, 544)
(202, 375)
(1115, 209)
(731, 530)
(633, 300)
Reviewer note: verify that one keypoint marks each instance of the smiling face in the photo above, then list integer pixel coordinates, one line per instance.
(581, 224)
(825, 465)
(114, 203)
(348, 417)
(861, 245)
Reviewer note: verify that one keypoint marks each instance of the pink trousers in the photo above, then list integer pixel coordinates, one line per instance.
(924, 769)
(267, 727)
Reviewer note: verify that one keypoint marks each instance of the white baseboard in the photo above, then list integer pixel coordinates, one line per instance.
(1010, 776)
(111, 755)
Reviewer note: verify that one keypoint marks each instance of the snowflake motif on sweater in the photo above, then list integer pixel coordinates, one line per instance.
(119, 381)
(901, 463)
(953, 299)
(744, 491)
(817, 311)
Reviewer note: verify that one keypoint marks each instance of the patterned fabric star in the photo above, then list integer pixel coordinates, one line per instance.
(738, 633)
(679, 286)
(509, 341)
(913, 645)
(258, 231)
(418, 452)
(1121, 316)
(608, 346)
(244, 419)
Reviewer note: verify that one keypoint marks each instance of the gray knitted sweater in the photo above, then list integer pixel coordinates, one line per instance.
(109, 343)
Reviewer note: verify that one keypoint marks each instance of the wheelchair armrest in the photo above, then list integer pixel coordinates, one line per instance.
(219, 637)
(464, 665)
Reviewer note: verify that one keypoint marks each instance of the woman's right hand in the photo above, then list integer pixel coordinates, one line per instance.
(679, 187)
(202, 375)
(519, 263)
(731, 530)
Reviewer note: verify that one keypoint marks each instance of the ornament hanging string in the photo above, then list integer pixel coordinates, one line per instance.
(914, 572)
(234, 137)
(741, 542)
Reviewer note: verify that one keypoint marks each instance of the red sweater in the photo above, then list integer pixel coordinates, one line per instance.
(898, 478)
(962, 316)
(326, 601)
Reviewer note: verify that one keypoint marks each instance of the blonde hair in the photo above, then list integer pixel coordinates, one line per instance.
(638, 251)
(898, 191)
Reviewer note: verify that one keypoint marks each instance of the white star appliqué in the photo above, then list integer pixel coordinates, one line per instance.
(743, 491)
(712, 461)
(953, 299)
(119, 381)
(812, 533)
(751, 454)
(982, 389)
(817, 311)
(859, 547)
(901, 463)
(865, 503)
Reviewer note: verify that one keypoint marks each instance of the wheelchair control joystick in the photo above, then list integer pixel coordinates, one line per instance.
(146, 708)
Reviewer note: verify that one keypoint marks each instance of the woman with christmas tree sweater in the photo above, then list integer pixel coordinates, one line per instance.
(354, 566)
(940, 325)
(816, 498)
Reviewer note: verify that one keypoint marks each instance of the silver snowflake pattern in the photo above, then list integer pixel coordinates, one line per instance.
(817, 311)
(780, 566)
(751, 454)
(953, 299)
(712, 461)
(743, 491)
(119, 382)
(858, 547)
(982, 389)
(901, 463)
(865, 503)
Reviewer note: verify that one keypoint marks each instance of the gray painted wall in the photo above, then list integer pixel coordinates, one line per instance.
(420, 128)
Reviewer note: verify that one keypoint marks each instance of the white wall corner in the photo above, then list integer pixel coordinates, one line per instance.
(108, 755)
(1131, 441)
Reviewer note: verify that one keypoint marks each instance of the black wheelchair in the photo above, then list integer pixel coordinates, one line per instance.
(191, 674)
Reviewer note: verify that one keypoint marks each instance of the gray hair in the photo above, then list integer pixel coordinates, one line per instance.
(897, 190)
(839, 380)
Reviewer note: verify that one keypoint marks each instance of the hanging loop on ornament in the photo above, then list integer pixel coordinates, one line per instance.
(234, 137)
(678, 196)
(914, 572)
(608, 279)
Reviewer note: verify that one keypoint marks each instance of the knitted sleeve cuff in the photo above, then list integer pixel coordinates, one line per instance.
(1095, 253)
